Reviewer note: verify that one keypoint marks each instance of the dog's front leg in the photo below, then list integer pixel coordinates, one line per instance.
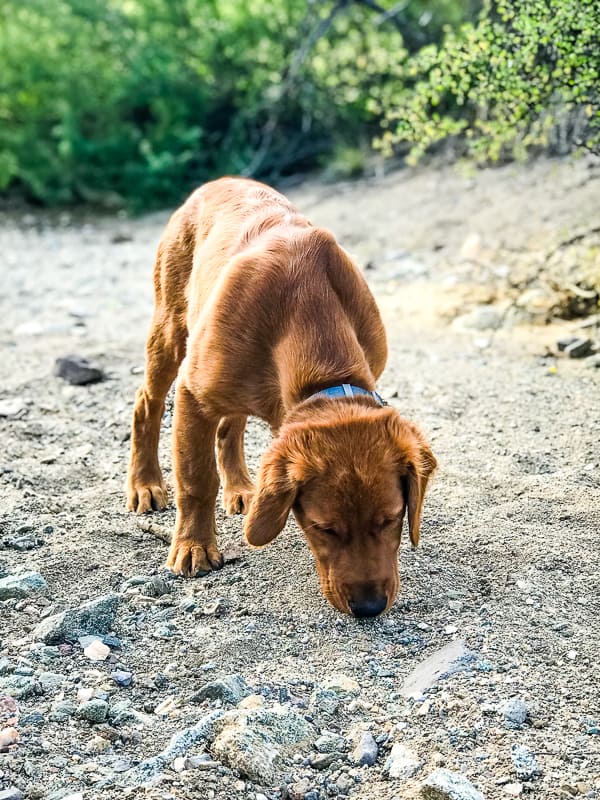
(194, 548)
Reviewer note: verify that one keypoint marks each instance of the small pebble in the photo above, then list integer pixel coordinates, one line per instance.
(77, 371)
(8, 736)
(514, 712)
(122, 677)
(97, 651)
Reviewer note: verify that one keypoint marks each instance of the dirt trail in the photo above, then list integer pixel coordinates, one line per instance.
(510, 555)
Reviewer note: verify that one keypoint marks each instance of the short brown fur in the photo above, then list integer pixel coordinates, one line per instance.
(255, 311)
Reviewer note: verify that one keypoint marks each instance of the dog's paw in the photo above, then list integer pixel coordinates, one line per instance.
(142, 498)
(237, 501)
(191, 558)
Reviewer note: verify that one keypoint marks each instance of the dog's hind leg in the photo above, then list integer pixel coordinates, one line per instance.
(237, 485)
(165, 350)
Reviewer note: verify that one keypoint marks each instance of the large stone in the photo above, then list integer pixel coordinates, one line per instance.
(230, 689)
(18, 686)
(402, 762)
(20, 586)
(448, 660)
(249, 751)
(95, 616)
(443, 784)
(258, 742)
(366, 751)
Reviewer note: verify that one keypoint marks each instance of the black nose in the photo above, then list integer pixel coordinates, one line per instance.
(368, 608)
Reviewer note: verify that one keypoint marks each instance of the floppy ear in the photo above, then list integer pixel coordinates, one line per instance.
(275, 494)
(417, 463)
(415, 484)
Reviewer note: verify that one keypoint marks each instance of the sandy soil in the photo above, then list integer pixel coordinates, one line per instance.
(510, 556)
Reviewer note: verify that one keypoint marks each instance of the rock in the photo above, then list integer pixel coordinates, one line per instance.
(248, 751)
(448, 660)
(252, 701)
(62, 711)
(366, 751)
(121, 712)
(593, 362)
(482, 318)
(258, 743)
(402, 762)
(329, 742)
(23, 585)
(341, 684)
(344, 784)
(538, 301)
(513, 789)
(97, 651)
(95, 616)
(443, 784)
(471, 248)
(121, 677)
(157, 586)
(230, 689)
(50, 681)
(8, 736)
(524, 761)
(324, 701)
(325, 760)
(299, 790)
(77, 371)
(94, 711)
(563, 343)
(578, 348)
(21, 542)
(13, 408)
(18, 686)
(12, 793)
(514, 712)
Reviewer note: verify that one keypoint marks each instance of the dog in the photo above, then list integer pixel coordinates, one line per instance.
(258, 312)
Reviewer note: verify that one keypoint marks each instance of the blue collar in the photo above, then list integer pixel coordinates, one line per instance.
(346, 390)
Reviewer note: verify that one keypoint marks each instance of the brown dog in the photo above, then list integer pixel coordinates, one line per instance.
(266, 311)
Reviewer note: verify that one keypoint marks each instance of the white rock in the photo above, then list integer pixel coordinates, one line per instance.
(449, 659)
(513, 789)
(402, 762)
(84, 694)
(97, 651)
(443, 784)
(471, 248)
(164, 708)
(179, 764)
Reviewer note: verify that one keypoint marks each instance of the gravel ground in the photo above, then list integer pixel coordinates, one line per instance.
(508, 568)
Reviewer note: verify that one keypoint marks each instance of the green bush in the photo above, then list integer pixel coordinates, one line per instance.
(525, 76)
(139, 100)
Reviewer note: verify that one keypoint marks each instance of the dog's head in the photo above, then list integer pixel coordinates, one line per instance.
(350, 472)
